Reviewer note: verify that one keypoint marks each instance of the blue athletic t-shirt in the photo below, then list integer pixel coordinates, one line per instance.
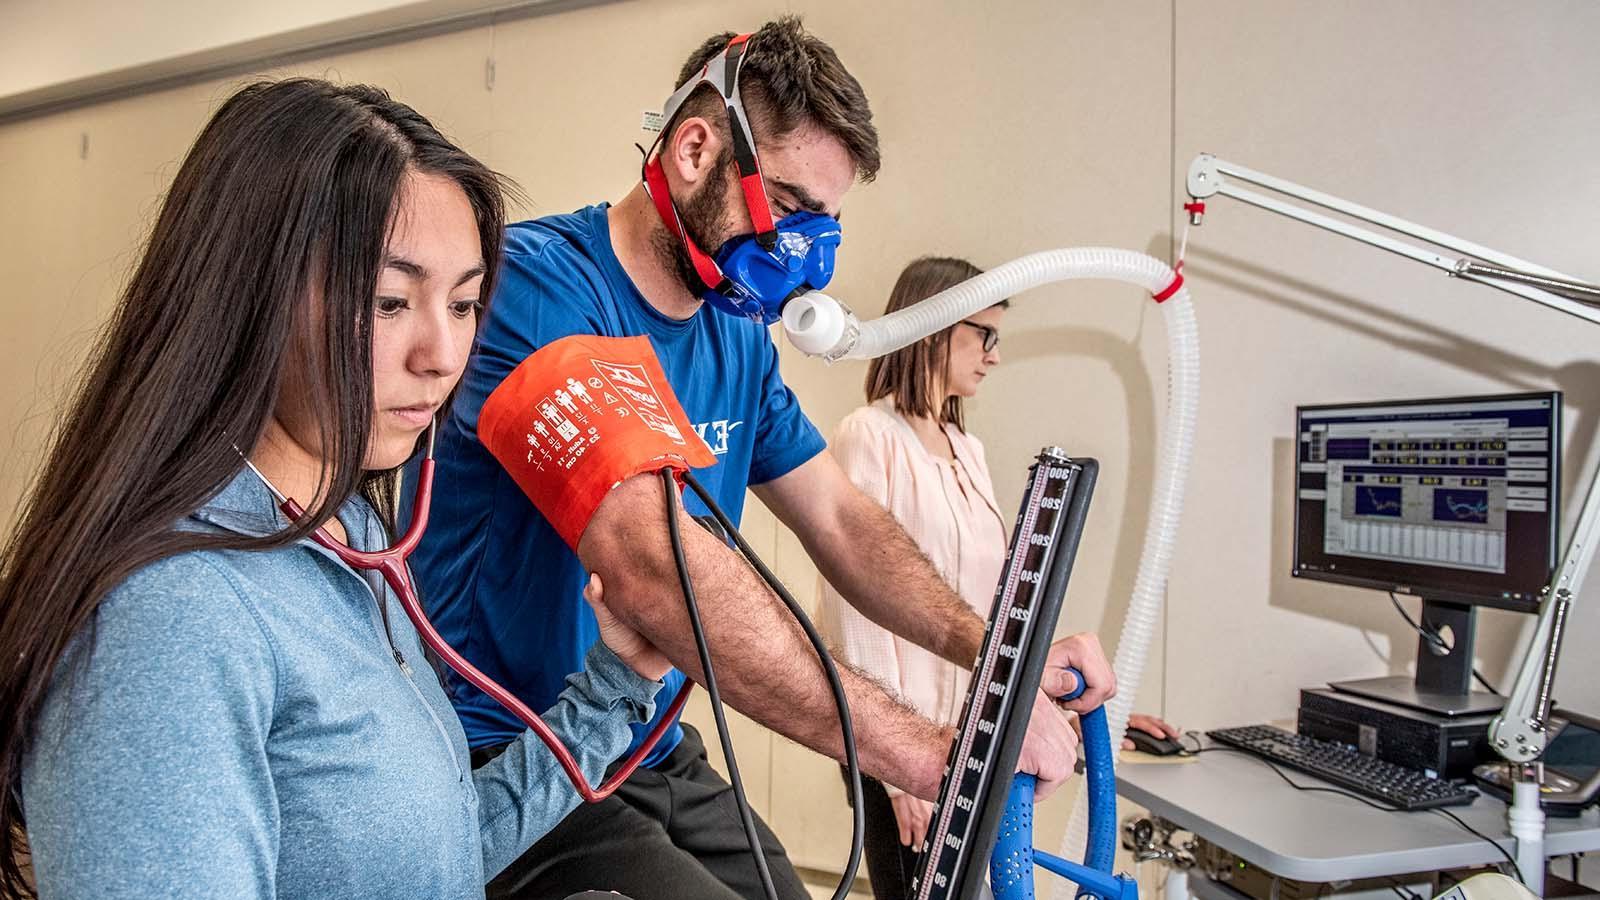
(496, 579)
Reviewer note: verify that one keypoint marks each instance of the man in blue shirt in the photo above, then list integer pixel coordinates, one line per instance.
(503, 587)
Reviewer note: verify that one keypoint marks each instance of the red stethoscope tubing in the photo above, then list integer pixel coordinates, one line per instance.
(391, 563)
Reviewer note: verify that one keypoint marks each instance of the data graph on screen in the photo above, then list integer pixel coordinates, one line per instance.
(1378, 501)
(1457, 493)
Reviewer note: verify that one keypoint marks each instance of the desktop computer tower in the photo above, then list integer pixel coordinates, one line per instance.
(1448, 746)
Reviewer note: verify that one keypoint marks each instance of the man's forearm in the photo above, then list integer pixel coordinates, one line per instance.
(765, 666)
(871, 561)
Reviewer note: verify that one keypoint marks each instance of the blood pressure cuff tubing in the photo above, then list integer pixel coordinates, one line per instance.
(579, 417)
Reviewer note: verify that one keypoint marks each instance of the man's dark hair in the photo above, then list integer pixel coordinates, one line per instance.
(789, 79)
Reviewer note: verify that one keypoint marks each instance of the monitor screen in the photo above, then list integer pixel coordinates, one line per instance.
(1450, 499)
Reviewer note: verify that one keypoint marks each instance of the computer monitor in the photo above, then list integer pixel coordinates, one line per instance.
(1454, 500)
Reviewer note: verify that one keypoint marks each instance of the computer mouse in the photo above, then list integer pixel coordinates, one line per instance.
(1146, 742)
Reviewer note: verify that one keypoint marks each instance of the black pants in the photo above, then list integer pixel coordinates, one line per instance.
(890, 864)
(668, 833)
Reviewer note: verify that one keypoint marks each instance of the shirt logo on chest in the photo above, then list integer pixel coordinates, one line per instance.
(715, 433)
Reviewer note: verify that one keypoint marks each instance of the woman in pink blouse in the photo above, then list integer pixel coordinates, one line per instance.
(908, 448)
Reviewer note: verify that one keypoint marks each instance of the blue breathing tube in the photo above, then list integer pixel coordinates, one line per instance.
(1011, 864)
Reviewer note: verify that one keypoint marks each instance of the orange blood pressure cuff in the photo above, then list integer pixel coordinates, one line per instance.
(579, 417)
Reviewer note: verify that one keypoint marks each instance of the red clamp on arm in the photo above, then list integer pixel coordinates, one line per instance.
(579, 417)
(1167, 292)
(569, 424)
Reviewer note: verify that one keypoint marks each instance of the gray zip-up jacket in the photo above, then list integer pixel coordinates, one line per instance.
(246, 725)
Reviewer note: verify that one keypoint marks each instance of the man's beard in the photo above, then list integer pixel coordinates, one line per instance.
(701, 215)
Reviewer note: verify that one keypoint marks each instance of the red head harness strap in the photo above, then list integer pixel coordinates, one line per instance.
(722, 73)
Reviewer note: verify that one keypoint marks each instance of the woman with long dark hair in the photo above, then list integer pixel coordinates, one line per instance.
(197, 699)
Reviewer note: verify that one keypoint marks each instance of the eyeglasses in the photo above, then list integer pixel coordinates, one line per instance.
(991, 336)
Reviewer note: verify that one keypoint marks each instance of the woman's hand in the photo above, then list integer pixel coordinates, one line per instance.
(1153, 726)
(631, 646)
(912, 815)
(1144, 723)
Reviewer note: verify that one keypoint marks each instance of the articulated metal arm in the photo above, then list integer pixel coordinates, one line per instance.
(1209, 175)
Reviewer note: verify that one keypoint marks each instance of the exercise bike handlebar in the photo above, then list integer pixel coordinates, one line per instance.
(1014, 857)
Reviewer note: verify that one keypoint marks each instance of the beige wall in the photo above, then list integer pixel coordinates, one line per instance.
(1009, 128)
(53, 41)
(59, 52)
(1473, 118)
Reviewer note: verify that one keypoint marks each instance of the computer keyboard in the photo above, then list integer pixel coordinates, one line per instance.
(1337, 764)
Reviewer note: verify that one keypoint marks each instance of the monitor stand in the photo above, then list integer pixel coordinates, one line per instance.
(1443, 685)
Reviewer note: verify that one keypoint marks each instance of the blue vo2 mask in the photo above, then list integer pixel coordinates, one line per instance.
(761, 280)
(753, 275)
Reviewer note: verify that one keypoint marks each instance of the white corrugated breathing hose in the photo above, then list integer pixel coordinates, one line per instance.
(818, 325)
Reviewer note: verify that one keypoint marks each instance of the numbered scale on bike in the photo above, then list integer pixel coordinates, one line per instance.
(954, 857)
